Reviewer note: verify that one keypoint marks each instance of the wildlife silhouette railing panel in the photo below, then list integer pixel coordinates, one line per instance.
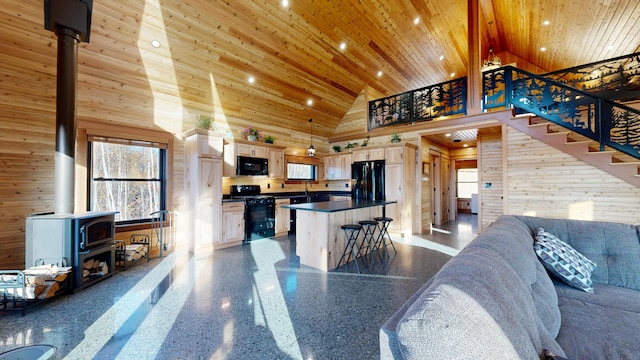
(615, 79)
(604, 121)
(425, 104)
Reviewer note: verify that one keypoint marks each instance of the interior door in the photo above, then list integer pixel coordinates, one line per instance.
(436, 198)
(445, 189)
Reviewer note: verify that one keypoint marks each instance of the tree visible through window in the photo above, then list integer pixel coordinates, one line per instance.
(467, 182)
(128, 177)
(301, 171)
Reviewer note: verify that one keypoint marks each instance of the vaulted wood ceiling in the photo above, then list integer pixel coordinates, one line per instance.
(210, 49)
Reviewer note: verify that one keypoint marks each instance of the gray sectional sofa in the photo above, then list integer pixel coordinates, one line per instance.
(495, 299)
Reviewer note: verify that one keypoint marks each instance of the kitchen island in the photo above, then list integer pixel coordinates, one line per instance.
(319, 238)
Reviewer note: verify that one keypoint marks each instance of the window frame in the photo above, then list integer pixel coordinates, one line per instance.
(315, 162)
(86, 129)
(458, 182)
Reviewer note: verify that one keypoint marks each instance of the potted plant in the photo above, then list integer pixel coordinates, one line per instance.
(251, 134)
(204, 122)
(336, 148)
(395, 137)
(366, 141)
(269, 139)
(350, 146)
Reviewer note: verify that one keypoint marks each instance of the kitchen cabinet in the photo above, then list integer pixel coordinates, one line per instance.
(276, 164)
(203, 187)
(368, 154)
(250, 150)
(283, 217)
(400, 173)
(238, 147)
(394, 155)
(337, 167)
(232, 223)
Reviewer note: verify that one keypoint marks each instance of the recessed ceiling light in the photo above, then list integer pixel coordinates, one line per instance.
(466, 145)
(285, 3)
(251, 79)
(416, 21)
(453, 74)
(546, 22)
(543, 49)
(343, 45)
(447, 135)
(379, 73)
(441, 57)
(310, 102)
(155, 43)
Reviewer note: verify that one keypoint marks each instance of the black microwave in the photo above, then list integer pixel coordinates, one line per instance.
(252, 166)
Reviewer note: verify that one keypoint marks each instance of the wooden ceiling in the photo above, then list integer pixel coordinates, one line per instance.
(210, 49)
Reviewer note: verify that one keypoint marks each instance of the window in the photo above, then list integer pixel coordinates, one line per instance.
(301, 171)
(467, 182)
(127, 176)
(301, 168)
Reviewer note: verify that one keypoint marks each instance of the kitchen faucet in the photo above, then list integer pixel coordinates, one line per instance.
(306, 191)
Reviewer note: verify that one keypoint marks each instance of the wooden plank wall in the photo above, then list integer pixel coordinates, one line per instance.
(490, 164)
(543, 181)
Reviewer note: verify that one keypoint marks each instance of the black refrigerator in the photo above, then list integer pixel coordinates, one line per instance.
(367, 180)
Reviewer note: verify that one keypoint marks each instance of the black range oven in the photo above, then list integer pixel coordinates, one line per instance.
(259, 212)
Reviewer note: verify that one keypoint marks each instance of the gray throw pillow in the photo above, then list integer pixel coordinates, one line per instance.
(564, 261)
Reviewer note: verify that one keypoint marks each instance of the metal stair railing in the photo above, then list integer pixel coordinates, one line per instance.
(604, 121)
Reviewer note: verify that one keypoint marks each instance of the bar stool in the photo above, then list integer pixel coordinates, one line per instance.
(369, 227)
(351, 233)
(383, 227)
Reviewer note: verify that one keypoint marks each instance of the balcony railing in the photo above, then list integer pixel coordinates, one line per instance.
(607, 122)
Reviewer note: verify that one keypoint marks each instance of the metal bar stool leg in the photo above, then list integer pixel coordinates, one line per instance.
(369, 227)
(383, 226)
(351, 234)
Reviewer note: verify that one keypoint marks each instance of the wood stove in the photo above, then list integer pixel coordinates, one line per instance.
(86, 240)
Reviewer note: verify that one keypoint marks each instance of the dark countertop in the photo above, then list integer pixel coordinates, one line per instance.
(334, 206)
(292, 194)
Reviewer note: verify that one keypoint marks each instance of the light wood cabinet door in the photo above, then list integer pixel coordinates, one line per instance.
(360, 155)
(207, 199)
(252, 151)
(394, 155)
(209, 146)
(368, 155)
(283, 216)
(332, 167)
(346, 166)
(232, 222)
(276, 164)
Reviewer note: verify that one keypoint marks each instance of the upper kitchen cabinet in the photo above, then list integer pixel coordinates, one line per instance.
(337, 167)
(367, 154)
(206, 144)
(276, 164)
(238, 147)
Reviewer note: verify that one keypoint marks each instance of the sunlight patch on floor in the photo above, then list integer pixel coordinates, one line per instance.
(416, 240)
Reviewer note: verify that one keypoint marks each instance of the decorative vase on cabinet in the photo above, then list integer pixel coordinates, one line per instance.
(252, 138)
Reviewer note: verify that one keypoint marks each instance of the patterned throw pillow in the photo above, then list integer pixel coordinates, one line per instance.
(564, 261)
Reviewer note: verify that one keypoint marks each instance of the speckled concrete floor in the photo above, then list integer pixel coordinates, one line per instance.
(247, 302)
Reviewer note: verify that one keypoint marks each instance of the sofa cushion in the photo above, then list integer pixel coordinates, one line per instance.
(600, 326)
(476, 307)
(564, 261)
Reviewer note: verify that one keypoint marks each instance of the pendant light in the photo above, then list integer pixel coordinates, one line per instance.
(311, 151)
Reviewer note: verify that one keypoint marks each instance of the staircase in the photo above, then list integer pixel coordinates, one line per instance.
(594, 129)
(614, 162)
